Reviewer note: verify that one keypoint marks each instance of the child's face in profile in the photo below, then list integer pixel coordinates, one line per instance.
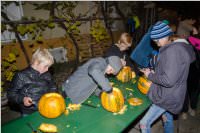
(42, 67)
(109, 70)
(124, 46)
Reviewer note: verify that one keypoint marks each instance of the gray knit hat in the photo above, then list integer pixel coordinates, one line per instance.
(160, 30)
(115, 62)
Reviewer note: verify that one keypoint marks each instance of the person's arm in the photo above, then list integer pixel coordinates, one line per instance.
(95, 72)
(171, 70)
(13, 92)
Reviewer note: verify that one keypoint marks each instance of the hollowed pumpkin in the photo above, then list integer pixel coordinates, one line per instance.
(125, 74)
(51, 105)
(114, 101)
(143, 85)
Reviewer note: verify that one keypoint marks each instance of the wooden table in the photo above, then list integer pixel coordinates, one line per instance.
(87, 119)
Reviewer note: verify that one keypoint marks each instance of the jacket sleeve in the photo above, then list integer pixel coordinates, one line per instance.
(171, 69)
(13, 92)
(95, 72)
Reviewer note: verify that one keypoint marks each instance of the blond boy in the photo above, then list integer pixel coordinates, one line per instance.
(29, 84)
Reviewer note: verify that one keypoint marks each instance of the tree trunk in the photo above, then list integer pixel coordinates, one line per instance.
(52, 13)
(18, 38)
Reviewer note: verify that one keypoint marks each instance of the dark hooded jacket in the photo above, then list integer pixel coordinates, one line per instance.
(170, 78)
(29, 83)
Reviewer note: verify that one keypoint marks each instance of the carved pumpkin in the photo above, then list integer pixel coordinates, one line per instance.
(125, 74)
(114, 101)
(51, 105)
(144, 85)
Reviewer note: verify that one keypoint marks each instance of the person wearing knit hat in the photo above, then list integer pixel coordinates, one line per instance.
(168, 87)
(115, 63)
(160, 30)
(90, 77)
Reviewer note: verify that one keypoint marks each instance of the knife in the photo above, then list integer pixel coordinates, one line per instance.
(33, 130)
(89, 105)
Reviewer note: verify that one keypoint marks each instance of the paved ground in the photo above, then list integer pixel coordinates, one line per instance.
(190, 125)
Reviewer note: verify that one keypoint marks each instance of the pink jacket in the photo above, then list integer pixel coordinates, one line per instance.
(195, 42)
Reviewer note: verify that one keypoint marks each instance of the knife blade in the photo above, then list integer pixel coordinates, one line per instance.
(30, 126)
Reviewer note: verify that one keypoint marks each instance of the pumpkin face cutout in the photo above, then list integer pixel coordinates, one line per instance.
(114, 101)
(143, 85)
(51, 105)
(125, 74)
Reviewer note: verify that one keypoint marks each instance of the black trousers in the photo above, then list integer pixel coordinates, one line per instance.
(193, 88)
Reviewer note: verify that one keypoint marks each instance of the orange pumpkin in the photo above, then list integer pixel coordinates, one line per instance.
(143, 85)
(51, 105)
(114, 101)
(125, 74)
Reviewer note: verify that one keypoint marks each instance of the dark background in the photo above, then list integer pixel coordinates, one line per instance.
(188, 8)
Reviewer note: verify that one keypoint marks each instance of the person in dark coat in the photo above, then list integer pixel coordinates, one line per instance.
(120, 49)
(29, 84)
(193, 83)
(91, 77)
(186, 27)
(169, 80)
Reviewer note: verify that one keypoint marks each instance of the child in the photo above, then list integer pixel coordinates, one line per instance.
(120, 49)
(30, 84)
(168, 88)
(91, 75)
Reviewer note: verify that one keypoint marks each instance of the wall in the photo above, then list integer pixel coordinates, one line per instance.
(82, 7)
(55, 38)
(31, 47)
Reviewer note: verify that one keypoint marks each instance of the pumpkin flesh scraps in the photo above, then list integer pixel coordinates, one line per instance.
(73, 107)
(123, 109)
(48, 128)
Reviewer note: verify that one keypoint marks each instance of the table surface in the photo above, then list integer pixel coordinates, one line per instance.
(87, 119)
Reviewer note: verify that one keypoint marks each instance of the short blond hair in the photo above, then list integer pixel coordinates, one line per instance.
(42, 55)
(125, 38)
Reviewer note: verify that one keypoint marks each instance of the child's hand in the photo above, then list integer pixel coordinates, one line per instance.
(194, 31)
(27, 101)
(110, 91)
(146, 71)
(123, 62)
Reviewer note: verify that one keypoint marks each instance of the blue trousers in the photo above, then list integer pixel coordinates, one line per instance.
(152, 115)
